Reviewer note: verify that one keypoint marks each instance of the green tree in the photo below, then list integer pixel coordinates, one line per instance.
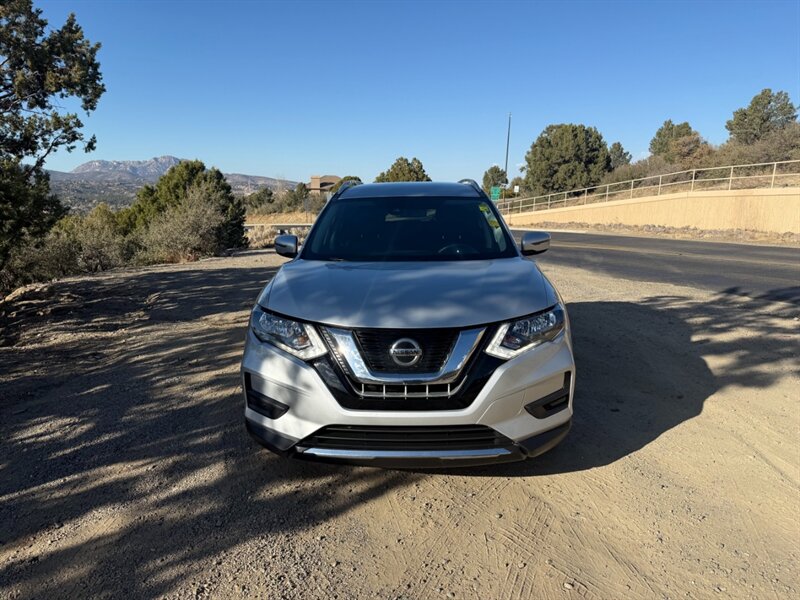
(689, 151)
(188, 178)
(767, 112)
(260, 201)
(40, 67)
(659, 145)
(298, 197)
(618, 156)
(566, 157)
(404, 170)
(517, 181)
(168, 191)
(494, 177)
(343, 180)
(212, 186)
(27, 208)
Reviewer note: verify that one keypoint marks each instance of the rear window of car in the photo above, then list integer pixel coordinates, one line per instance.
(408, 228)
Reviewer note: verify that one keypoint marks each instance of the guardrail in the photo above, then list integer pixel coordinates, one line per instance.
(734, 177)
(248, 226)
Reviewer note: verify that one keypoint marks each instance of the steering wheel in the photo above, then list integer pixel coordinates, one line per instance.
(458, 249)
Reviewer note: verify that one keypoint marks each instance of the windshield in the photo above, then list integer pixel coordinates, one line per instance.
(408, 228)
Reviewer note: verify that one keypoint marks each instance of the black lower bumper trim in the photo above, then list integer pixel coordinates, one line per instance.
(542, 442)
(271, 440)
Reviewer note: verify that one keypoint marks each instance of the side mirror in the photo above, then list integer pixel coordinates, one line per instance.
(286, 245)
(534, 242)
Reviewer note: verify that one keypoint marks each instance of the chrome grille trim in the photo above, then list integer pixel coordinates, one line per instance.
(417, 391)
(346, 349)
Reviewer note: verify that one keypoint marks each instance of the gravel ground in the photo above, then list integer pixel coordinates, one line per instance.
(126, 471)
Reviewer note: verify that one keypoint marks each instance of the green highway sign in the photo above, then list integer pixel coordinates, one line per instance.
(495, 192)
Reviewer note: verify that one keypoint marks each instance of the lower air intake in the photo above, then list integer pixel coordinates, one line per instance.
(453, 437)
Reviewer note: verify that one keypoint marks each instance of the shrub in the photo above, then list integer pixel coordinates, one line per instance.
(74, 245)
(778, 145)
(100, 243)
(40, 259)
(183, 232)
(174, 188)
(653, 165)
(262, 237)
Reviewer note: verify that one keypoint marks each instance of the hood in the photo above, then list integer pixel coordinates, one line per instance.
(408, 295)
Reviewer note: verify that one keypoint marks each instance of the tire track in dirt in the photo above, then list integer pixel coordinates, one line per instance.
(620, 579)
(528, 539)
(409, 560)
(507, 543)
(757, 536)
(463, 504)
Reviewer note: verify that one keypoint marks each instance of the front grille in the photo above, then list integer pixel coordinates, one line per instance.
(436, 345)
(352, 394)
(452, 437)
(348, 393)
(402, 390)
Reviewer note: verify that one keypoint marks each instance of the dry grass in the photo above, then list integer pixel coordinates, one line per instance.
(264, 237)
(291, 218)
(261, 237)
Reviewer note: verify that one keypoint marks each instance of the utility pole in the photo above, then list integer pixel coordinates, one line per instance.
(508, 141)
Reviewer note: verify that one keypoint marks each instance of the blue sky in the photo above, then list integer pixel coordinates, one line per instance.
(292, 89)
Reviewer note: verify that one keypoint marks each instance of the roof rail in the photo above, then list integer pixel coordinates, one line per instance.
(474, 184)
(346, 186)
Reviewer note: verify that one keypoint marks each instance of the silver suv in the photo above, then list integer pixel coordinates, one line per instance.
(409, 330)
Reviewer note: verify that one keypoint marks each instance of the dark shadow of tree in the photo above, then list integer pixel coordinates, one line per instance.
(642, 369)
(152, 419)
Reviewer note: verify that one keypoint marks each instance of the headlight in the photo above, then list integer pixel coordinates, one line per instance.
(516, 337)
(297, 339)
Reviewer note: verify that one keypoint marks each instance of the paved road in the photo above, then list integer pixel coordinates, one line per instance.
(741, 269)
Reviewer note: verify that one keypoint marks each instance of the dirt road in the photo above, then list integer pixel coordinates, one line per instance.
(126, 472)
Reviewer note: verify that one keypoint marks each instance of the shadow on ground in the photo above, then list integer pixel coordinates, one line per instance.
(642, 370)
(130, 453)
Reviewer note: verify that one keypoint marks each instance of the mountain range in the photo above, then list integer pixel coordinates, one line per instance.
(117, 181)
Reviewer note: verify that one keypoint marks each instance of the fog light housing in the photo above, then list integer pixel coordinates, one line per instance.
(261, 403)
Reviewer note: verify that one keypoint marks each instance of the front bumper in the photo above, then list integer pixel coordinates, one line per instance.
(522, 401)
(527, 448)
